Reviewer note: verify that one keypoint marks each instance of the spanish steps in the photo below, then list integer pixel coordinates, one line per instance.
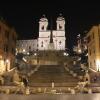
(46, 74)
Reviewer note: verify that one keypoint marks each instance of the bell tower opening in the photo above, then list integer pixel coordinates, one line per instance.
(60, 22)
(43, 24)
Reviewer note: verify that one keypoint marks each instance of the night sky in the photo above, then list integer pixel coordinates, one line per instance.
(79, 16)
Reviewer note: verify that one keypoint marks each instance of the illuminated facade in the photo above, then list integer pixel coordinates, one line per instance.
(93, 43)
(45, 35)
(7, 46)
(26, 46)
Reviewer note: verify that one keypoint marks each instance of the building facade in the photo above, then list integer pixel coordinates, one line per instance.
(7, 46)
(26, 46)
(47, 40)
(45, 35)
(93, 43)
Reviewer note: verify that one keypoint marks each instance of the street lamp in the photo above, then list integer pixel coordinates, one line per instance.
(7, 64)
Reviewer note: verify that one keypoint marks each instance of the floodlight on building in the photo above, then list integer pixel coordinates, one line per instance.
(35, 54)
(24, 50)
(65, 54)
(79, 51)
(28, 53)
(7, 61)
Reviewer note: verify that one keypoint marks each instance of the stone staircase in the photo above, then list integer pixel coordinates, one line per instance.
(46, 74)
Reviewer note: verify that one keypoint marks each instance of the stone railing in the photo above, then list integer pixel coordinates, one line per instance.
(73, 73)
(38, 90)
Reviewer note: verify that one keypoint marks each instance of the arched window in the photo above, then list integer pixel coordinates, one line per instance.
(60, 42)
(42, 42)
(29, 48)
(42, 28)
(42, 45)
(60, 27)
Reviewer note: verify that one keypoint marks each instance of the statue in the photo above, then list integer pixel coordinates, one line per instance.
(16, 77)
(87, 77)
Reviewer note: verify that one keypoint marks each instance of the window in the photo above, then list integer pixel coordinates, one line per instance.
(94, 62)
(42, 42)
(88, 39)
(6, 48)
(53, 35)
(94, 51)
(60, 43)
(60, 27)
(7, 34)
(90, 64)
(42, 45)
(42, 27)
(29, 47)
(46, 40)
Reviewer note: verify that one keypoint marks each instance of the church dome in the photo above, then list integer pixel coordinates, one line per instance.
(43, 19)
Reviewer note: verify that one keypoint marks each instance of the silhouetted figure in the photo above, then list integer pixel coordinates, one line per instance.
(95, 78)
(25, 81)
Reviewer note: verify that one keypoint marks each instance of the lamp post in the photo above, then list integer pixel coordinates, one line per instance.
(7, 65)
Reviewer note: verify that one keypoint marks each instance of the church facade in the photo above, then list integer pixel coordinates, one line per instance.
(57, 36)
(47, 40)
